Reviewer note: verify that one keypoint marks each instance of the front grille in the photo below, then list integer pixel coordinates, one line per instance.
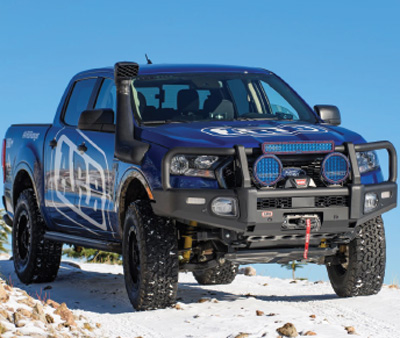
(286, 202)
(331, 201)
(274, 203)
(309, 163)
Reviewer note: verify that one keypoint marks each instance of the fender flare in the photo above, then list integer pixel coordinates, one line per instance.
(130, 174)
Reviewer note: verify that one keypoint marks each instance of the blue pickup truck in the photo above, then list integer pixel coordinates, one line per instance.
(195, 168)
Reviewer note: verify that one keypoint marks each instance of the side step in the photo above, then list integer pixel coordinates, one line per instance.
(282, 256)
(85, 242)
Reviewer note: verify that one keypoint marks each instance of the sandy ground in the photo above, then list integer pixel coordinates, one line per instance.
(98, 292)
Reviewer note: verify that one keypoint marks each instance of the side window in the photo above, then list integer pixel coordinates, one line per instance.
(78, 100)
(107, 97)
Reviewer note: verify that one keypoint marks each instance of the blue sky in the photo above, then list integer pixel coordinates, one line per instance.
(343, 53)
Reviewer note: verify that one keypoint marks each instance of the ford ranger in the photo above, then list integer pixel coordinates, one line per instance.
(196, 168)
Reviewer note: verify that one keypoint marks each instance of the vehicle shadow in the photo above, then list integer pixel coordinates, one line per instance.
(104, 292)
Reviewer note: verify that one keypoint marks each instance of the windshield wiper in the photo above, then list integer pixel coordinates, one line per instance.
(256, 118)
(164, 122)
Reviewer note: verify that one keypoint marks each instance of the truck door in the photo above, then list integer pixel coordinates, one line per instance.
(93, 166)
(61, 149)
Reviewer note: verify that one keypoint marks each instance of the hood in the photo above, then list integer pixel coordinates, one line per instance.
(251, 134)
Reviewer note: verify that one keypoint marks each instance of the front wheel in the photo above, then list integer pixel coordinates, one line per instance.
(360, 266)
(223, 273)
(150, 258)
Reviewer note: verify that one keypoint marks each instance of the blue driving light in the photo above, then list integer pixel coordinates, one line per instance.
(267, 170)
(335, 168)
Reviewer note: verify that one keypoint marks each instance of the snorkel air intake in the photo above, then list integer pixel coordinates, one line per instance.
(127, 148)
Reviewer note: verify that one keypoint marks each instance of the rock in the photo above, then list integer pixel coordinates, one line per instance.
(98, 325)
(178, 307)
(49, 319)
(65, 315)
(203, 300)
(265, 284)
(271, 314)
(74, 265)
(7, 287)
(288, 330)
(52, 303)
(350, 329)
(88, 327)
(27, 301)
(248, 271)
(38, 313)
(3, 294)
(6, 315)
(3, 329)
(18, 319)
(313, 316)
(242, 335)
(293, 282)
(24, 312)
(259, 313)
(309, 333)
(48, 287)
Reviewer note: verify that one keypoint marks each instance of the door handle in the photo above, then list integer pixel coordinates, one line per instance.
(53, 143)
(82, 147)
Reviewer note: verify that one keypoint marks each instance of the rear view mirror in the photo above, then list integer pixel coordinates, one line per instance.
(329, 114)
(97, 120)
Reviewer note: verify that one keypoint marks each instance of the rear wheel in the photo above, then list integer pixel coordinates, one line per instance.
(360, 266)
(150, 258)
(221, 274)
(36, 260)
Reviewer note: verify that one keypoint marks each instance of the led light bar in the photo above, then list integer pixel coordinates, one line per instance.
(307, 147)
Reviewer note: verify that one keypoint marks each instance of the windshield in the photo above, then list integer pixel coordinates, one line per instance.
(216, 97)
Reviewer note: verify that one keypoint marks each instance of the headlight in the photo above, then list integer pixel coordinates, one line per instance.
(179, 165)
(191, 165)
(367, 161)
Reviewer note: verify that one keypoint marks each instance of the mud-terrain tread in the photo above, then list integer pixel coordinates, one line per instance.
(367, 261)
(221, 274)
(44, 255)
(158, 251)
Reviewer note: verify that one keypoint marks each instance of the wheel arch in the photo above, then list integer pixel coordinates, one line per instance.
(133, 186)
(23, 180)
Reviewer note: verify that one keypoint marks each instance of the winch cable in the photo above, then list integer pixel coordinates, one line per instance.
(308, 230)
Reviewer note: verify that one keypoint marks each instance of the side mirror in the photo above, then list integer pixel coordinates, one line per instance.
(329, 114)
(97, 120)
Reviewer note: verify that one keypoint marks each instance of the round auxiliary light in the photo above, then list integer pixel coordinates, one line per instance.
(335, 168)
(267, 170)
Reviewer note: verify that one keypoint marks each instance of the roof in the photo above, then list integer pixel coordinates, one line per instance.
(147, 69)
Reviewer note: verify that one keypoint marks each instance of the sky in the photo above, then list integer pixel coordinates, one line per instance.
(338, 52)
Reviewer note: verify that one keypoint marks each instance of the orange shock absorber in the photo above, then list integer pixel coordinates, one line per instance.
(188, 241)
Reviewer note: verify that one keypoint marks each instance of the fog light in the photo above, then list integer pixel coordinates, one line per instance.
(196, 200)
(224, 206)
(371, 201)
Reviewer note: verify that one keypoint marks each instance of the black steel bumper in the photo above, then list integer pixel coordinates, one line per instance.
(251, 221)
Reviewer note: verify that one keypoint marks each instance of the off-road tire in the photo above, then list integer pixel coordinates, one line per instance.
(36, 260)
(363, 273)
(150, 258)
(221, 274)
